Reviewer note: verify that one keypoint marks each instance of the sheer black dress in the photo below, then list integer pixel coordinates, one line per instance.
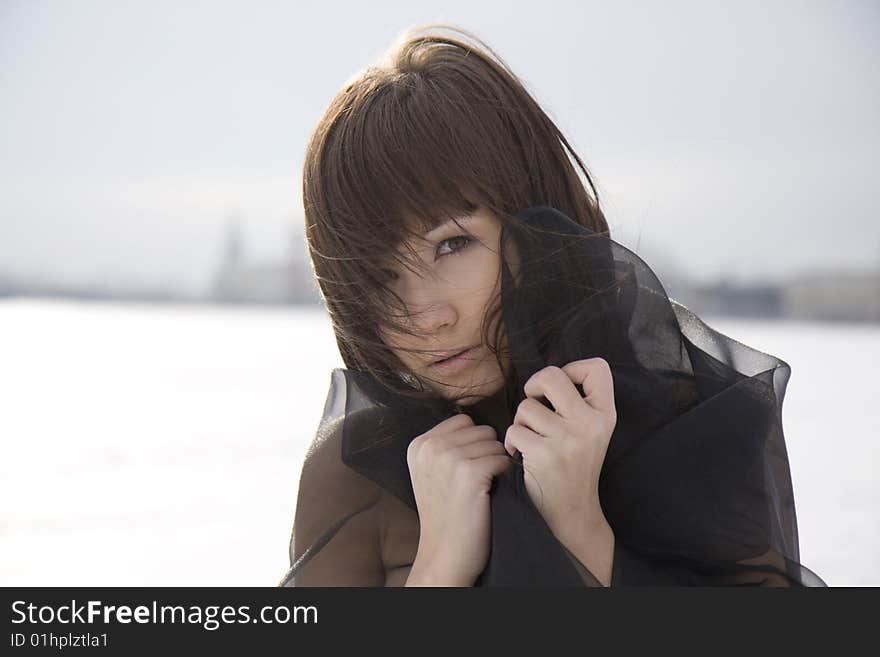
(696, 482)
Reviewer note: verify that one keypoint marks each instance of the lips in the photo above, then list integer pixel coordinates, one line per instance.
(446, 355)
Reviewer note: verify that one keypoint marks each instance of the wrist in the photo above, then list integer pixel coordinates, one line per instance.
(425, 573)
(578, 524)
(591, 540)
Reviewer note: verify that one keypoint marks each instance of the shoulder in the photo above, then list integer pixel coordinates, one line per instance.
(327, 481)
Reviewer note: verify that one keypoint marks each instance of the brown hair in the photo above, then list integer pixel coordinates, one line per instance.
(439, 127)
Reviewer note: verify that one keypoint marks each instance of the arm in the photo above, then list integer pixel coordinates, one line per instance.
(344, 555)
(420, 576)
(335, 539)
(592, 544)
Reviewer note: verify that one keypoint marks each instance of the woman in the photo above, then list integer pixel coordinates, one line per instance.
(521, 404)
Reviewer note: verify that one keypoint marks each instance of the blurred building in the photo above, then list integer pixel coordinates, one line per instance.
(834, 296)
(289, 281)
(816, 295)
(765, 300)
(821, 295)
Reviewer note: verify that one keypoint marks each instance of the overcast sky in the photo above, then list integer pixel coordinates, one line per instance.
(728, 138)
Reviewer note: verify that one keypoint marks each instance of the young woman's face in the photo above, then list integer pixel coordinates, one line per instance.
(446, 304)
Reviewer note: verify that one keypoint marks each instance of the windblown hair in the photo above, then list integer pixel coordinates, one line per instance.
(438, 128)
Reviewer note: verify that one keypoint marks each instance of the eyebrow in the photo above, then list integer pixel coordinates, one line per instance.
(439, 227)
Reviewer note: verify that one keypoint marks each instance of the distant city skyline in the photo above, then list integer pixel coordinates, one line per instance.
(841, 295)
(733, 141)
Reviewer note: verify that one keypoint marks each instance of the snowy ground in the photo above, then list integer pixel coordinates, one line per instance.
(161, 445)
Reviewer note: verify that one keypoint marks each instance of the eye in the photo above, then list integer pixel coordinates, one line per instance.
(462, 240)
(452, 245)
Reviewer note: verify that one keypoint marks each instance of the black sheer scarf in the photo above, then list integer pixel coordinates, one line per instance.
(696, 482)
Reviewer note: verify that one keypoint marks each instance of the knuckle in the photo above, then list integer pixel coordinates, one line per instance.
(561, 376)
(463, 418)
(532, 403)
(413, 456)
(486, 432)
(500, 465)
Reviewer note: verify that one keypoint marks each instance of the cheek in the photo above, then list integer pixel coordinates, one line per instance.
(480, 275)
(488, 286)
(511, 255)
(394, 343)
(405, 348)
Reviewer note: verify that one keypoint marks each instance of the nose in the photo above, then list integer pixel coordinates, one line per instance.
(432, 317)
(430, 301)
(430, 304)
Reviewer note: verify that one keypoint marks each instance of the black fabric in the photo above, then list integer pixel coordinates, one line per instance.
(696, 482)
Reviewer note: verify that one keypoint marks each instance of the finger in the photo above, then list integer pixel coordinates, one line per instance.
(524, 440)
(480, 449)
(440, 442)
(594, 376)
(495, 463)
(455, 422)
(449, 443)
(472, 434)
(557, 386)
(533, 414)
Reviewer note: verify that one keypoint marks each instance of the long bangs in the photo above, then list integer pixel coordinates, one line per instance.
(439, 129)
(415, 153)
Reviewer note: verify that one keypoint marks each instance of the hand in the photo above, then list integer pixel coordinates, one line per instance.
(452, 467)
(563, 449)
